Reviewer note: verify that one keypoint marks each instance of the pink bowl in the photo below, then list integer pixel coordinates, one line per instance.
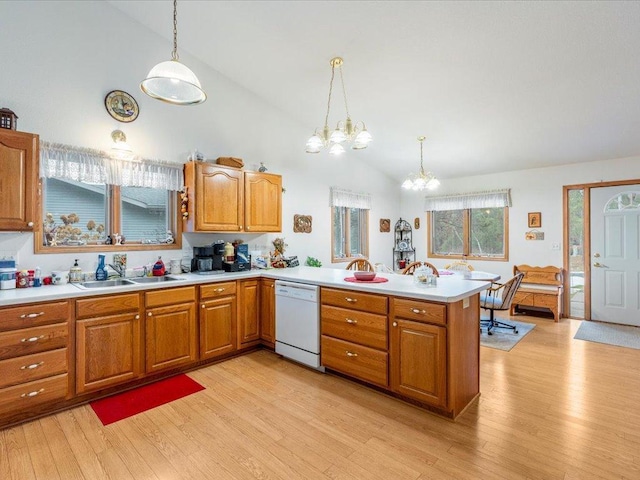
(367, 276)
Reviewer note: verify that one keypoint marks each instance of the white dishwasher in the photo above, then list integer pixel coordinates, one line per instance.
(298, 323)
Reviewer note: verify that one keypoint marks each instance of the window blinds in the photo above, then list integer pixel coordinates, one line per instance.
(489, 199)
(339, 197)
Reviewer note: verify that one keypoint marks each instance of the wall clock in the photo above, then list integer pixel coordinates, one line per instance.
(121, 106)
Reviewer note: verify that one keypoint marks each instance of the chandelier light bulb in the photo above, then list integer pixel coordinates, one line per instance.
(338, 136)
(336, 149)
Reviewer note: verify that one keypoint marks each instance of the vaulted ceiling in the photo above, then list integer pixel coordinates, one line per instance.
(493, 86)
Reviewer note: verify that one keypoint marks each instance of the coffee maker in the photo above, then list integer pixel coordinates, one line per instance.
(207, 259)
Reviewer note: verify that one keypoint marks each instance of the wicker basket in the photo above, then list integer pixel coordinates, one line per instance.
(230, 162)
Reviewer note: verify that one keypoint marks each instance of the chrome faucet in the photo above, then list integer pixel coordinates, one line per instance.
(122, 271)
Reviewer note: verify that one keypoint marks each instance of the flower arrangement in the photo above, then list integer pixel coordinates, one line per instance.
(67, 233)
(277, 256)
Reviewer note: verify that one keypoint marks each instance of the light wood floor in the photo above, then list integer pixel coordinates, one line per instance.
(552, 408)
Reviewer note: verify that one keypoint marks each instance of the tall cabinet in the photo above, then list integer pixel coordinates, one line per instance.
(19, 159)
(226, 199)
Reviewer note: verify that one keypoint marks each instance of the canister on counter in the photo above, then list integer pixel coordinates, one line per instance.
(8, 278)
(22, 281)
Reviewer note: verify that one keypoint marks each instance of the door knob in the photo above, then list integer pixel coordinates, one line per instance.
(596, 255)
(597, 264)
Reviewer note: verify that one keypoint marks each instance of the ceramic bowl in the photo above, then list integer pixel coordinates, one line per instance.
(366, 276)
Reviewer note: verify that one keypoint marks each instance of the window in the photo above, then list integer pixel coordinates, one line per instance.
(88, 197)
(350, 239)
(472, 225)
(349, 224)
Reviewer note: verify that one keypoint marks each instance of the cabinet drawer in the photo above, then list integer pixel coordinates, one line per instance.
(170, 296)
(32, 340)
(108, 305)
(545, 300)
(29, 395)
(356, 360)
(365, 302)
(26, 316)
(420, 311)
(360, 327)
(31, 367)
(221, 289)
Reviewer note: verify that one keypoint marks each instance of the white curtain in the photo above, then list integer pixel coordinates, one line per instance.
(95, 166)
(489, 199)
(339, 197)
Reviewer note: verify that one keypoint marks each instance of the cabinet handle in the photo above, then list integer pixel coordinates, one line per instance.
(247, 228)
(31, 315)
(420, 312)
(149, 314)
(32, 339)
(351, 354)
(204, 306)
(137, 317)
(395, 324)
(30, 224)
(32, 394)
(218, 290)
(351, 300)
(351, 321)
(32, 366)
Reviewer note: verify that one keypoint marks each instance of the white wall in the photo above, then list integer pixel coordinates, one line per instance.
(60, 59)
(535, 190)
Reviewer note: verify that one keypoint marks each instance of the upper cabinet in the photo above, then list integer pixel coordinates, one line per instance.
(225, 199)
(18, 179)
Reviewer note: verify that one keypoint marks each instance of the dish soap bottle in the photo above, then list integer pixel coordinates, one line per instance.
(75, 273)
(158, 268)
(101, 271)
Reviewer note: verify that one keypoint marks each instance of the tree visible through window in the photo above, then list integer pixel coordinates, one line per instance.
(474, 232)
(349, 233)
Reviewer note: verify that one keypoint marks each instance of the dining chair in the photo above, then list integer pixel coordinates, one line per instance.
(361, 264)
(412, 267)
(459, 266)
(499, 297)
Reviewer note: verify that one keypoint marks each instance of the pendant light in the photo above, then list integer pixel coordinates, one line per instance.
(420, 181)
(345, 129)
(171, 81)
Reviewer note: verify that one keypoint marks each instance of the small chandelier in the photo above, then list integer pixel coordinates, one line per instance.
(171, 81)
(421, 180)
(345, 130)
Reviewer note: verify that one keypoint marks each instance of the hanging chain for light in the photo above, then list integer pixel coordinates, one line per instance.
(344, 91)
(326, 118)
(174, 54)
(421, 140)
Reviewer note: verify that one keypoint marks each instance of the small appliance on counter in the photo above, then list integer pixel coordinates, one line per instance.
(208, 259)
(242, 260)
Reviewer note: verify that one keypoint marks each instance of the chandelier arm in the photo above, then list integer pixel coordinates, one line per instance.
(344, 92)
(174, 54)
(326, 118)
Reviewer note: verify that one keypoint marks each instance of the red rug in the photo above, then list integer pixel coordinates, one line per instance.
(138, 400)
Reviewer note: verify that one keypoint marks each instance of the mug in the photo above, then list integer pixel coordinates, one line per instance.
(59, 277)
(176, 267)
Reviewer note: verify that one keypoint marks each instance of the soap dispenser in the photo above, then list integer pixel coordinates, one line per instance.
(75, 273)
(101, 271)
(158, 269)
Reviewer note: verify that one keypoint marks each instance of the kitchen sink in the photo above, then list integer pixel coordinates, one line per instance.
(116, 282)
(153, 279)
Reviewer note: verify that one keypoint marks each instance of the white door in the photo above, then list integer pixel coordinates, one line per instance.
(615, 254)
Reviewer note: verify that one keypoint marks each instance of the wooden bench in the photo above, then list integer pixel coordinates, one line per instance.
(541, 289)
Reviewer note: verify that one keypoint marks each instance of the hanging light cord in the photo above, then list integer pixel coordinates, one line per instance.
(421, 162)
(344, 92)
(174, 54)
(326, 118)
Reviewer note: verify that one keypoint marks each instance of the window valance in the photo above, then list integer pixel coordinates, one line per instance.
(95, 166)
(489, 199)
(346, 198)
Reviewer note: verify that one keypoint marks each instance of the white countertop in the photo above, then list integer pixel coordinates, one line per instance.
(450, 288)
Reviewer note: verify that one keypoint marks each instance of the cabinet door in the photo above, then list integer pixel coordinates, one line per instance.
(418, 361)
(263, 202)
(267, 310)
(170, 337)
(218, 327)
(248, 311)
(108, 351)
(19, 159)
(219, 199)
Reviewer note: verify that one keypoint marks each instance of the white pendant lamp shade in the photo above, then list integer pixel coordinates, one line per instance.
(173, 82)
(421, 180)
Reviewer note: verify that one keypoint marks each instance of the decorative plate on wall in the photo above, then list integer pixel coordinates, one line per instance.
(121, 106)
(385, 224)
(302, 223)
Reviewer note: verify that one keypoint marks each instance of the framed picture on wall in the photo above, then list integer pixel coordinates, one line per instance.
(535, 220)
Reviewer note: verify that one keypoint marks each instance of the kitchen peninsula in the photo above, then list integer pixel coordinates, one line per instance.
(419, 344)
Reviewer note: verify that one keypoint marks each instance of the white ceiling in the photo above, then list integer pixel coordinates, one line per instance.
(492, 85)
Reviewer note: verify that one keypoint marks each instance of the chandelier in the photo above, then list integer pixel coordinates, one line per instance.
(345, 129)
(421, 180)
(171, 81)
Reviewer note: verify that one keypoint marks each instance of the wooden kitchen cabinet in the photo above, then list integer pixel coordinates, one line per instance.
(268, 311)
(170, 328)
(248, 313)
(218, 320)
(19, 160)
(34, 358)
(108, 341)
(226, 199)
